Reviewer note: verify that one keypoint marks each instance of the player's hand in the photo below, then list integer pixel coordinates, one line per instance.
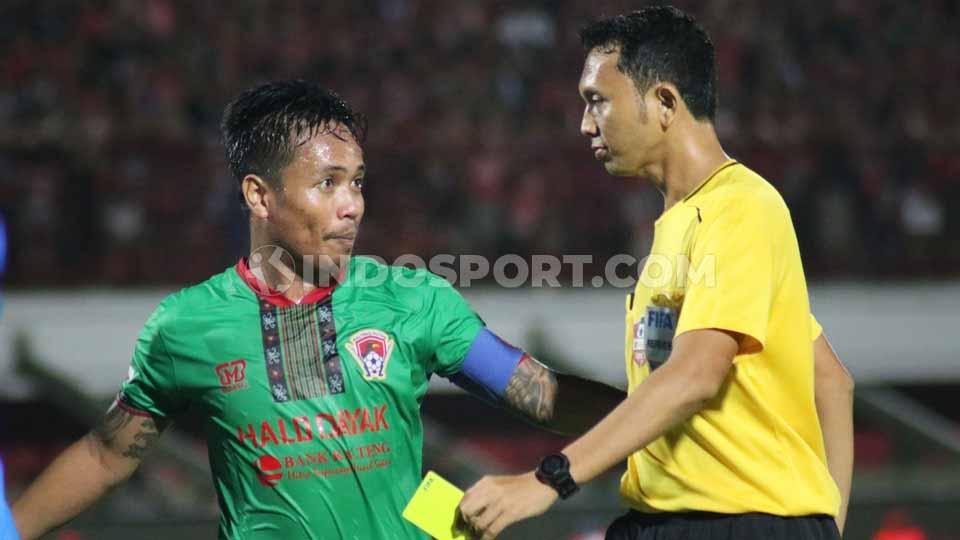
(496, 502)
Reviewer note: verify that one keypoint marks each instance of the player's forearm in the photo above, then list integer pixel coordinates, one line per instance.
(834, 399)
(580, 404)
(75, 480)
(667, 398)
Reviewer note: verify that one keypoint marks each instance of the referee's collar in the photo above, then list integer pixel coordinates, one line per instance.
(729, 162)
(276, 298)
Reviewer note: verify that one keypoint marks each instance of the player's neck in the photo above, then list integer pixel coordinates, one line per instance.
(278, 276)
(689, 160)
(276, 269)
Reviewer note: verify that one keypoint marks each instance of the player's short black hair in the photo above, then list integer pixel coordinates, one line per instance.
(661, 44)
(264, 125)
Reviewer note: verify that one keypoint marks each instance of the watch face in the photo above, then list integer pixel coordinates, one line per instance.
(552, 464)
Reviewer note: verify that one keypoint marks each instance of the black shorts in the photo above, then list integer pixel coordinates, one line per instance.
(708, 526)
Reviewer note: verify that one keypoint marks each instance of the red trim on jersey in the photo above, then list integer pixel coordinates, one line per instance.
(277, 298)
(132, 410)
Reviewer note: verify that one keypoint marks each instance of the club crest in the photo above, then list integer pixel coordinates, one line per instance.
(371, 349)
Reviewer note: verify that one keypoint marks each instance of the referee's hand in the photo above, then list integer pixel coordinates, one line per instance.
(496, 502)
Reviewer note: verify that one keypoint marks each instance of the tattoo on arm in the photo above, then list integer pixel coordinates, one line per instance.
(532, 390)
(143, 440)
(112, 424)
(117, 420)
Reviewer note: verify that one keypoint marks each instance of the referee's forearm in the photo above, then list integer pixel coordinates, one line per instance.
(664, 400)
(835, 409)
(833, 391)
(834, 400)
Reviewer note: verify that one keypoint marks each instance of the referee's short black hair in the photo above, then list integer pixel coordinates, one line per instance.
(661, 44)
(264, 125)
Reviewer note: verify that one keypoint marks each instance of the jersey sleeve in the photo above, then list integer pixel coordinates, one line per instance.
(815, 328)
(731, 277)
(453, 326)
(151, 384)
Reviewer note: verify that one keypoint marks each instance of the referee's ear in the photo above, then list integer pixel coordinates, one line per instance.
(254, 190)
(668, 103)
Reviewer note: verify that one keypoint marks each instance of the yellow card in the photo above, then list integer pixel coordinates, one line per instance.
(433, 508)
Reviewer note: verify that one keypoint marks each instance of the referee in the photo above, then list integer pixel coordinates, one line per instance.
(738, 423)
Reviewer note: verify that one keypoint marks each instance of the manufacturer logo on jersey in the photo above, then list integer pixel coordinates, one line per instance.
(269, 470)
(371, 349)
(232, 375)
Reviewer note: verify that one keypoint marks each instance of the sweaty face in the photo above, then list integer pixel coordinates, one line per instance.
(318, 209)
(615, 120)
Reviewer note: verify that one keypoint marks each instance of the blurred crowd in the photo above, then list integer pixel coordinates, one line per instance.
(114, 173)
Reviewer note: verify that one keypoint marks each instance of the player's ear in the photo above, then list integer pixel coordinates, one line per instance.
(668, 102)
(255, 189)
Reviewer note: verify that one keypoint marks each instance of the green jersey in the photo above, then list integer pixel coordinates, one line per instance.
(312, 410)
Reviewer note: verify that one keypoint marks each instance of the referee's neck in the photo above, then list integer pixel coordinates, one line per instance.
(690, 159)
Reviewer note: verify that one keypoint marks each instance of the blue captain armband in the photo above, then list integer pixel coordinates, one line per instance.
(488, 366)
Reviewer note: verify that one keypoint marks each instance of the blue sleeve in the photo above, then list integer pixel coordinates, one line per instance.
(488, 366)
(7, 529)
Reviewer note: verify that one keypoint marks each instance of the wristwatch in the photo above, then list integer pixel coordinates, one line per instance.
(554, 471)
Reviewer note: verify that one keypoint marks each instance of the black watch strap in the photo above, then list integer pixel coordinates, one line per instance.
(554, 471)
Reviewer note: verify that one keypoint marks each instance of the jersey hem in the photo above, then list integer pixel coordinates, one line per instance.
(136, 411)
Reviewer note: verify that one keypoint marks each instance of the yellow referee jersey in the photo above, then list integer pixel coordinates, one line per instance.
(726, 257)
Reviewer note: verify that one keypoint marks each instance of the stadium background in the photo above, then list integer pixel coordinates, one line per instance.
(115, 192)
